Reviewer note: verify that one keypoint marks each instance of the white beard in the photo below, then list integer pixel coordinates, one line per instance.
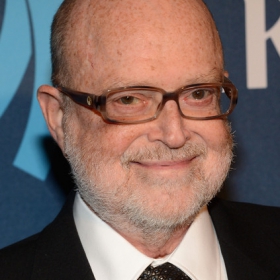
(121, 202)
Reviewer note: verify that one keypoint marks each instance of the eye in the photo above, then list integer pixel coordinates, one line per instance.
(200, 94)
(199, 97)
(128, 100)
(136, 98)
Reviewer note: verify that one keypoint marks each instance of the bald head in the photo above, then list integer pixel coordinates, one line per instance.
(92, 40)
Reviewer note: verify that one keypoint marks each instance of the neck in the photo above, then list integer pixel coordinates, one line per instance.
(158, 244)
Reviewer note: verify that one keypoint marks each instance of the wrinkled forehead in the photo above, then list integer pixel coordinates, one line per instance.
(113, 32)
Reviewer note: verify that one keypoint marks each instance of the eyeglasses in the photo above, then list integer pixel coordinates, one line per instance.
(139, 104)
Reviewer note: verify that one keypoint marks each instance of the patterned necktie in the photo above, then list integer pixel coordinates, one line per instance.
(166, 271)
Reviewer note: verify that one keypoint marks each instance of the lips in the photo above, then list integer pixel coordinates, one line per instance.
(159, 156)
(162, 164)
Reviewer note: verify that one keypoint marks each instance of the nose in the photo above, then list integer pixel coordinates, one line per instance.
(169, 127)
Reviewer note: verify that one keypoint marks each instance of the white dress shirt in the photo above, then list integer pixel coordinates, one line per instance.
(112, 257)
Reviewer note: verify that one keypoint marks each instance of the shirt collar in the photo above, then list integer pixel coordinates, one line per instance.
(113, 257)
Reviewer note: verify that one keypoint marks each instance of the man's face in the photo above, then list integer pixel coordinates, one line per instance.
(158, 174)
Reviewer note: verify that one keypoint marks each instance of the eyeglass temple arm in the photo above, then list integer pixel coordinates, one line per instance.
(89, 101)
(233, 90)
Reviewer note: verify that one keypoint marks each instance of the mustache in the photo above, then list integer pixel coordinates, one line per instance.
(161, 152)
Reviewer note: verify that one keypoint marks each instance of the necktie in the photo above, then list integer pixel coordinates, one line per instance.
(166, 271)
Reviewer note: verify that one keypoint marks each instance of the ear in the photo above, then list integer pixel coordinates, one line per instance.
(226, 74)
(51, 104)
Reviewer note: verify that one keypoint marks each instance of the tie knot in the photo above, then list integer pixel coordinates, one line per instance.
(166, 271)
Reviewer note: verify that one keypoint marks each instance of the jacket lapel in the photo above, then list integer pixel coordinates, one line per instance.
(59, 254)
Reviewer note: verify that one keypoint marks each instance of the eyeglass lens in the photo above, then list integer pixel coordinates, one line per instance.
(142, 104)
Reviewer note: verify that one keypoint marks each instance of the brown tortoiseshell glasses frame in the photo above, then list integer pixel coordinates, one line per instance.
(97, 103)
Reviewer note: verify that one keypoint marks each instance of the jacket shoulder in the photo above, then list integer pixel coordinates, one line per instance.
(264, 217)
(54, 253)
(16, 260)
(248, 235)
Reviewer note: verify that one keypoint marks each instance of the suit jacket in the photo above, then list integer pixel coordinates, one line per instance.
(249, 236)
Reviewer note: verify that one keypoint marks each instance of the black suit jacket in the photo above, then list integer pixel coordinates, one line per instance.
(249, 236)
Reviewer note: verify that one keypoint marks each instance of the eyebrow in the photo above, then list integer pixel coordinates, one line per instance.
(214, 75)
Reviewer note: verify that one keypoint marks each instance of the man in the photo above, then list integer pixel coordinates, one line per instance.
(148, 155)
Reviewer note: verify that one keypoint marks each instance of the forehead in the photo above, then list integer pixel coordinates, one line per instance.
(132, 42)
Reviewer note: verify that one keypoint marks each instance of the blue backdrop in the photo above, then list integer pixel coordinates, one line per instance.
(33, 174)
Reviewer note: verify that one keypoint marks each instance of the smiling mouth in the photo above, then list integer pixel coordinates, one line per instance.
(165, 164)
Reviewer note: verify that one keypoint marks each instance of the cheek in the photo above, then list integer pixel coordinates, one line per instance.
(215, 134)
(219, 143)
(217, 139)
(110, 140)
